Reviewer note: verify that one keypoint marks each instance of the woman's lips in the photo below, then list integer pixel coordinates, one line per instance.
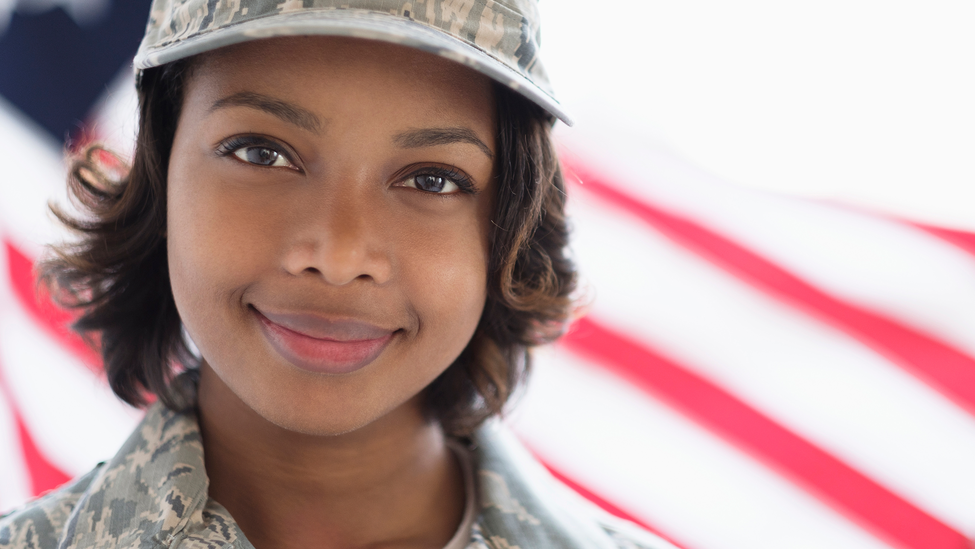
(320, 345)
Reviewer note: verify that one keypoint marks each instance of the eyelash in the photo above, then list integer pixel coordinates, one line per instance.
(233, 144)
(459, 178)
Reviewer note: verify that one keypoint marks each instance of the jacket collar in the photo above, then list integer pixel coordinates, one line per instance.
(154, 493)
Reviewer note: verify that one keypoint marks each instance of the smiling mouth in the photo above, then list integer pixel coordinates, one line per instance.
(323, 346)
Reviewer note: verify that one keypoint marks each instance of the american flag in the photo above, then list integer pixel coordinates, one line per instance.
(749, 370)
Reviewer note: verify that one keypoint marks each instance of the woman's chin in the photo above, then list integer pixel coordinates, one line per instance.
(300, 403)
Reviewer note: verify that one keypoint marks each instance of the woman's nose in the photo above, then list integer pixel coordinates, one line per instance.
(340, 239)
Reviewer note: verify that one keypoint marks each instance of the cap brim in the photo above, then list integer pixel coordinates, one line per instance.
(355, 24)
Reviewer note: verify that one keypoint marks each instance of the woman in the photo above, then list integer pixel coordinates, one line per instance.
(355, 214)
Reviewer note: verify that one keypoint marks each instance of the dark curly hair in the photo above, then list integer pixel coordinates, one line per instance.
(117, 275)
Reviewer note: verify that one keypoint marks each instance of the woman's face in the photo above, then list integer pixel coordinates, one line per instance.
(329, 206)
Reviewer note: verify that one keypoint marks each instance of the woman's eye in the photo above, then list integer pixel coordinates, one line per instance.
(262, 156)
(432, 183)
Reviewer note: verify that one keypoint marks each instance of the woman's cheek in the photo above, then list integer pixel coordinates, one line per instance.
(207, 240)
(226, 232)
(449, 281)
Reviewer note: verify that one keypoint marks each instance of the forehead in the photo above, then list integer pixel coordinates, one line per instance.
(336, 75)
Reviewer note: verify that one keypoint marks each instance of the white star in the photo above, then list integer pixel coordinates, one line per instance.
(84, 12)
(6, 9)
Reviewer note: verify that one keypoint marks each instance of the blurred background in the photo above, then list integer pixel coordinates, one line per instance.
(774, 218)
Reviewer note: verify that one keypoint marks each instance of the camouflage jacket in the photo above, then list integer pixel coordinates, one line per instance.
(153, 494)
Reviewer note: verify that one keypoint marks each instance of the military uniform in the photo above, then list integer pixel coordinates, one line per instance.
(153, 494)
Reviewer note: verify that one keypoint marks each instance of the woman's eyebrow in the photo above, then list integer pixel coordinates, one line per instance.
(429, 137)
(289, 112)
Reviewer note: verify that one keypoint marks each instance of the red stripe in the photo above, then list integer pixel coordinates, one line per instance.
(43, 474)
(603, 504)
(962, 239)
(857, 496)
(38, 304)
(940, 365)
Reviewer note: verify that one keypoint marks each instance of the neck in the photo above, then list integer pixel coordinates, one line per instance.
(392, 483)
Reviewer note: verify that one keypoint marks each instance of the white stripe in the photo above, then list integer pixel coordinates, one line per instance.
(32, 176)
(14, 488)
(664, 469)
(815, 380)
(75, 419)
(880, 264)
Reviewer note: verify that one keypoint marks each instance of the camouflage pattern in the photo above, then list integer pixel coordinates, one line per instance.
(153, 494)
(499, 38)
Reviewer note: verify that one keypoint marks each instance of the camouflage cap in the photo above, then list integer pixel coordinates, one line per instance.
(498, 38)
